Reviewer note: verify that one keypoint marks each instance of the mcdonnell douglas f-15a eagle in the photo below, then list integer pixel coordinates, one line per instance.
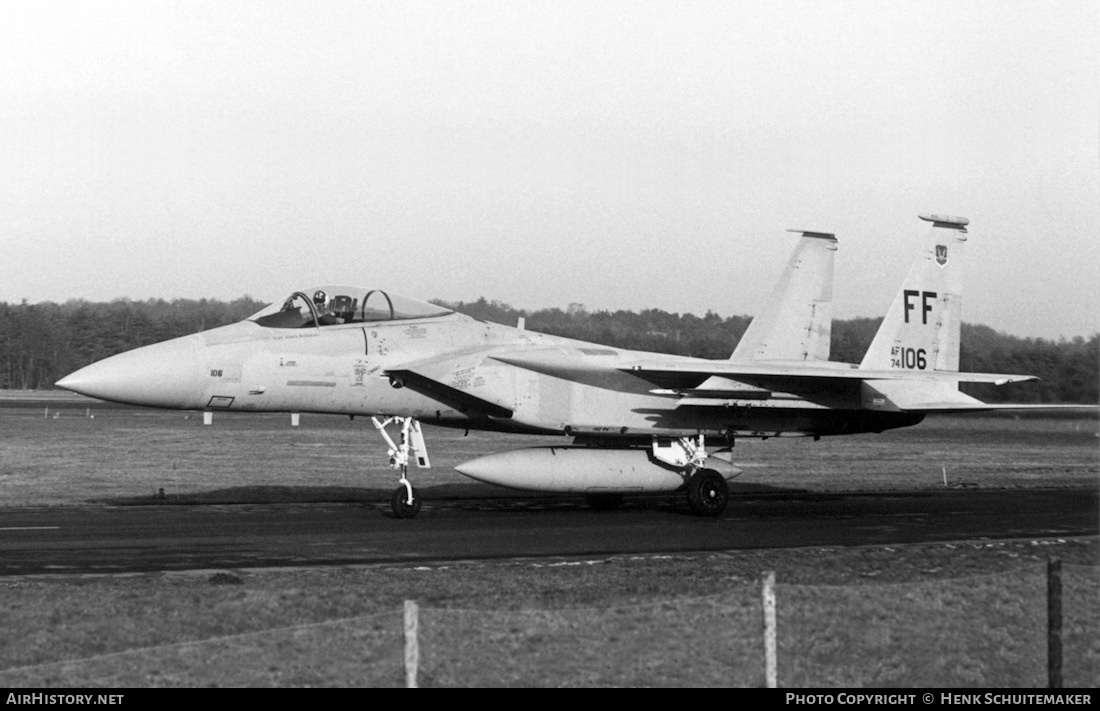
(639, 422)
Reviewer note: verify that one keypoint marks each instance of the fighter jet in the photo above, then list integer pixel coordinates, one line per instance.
(635, 421)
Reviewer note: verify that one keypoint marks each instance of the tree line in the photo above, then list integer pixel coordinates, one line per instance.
(40, 343)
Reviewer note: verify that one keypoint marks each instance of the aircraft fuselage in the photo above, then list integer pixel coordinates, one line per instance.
(491, 377)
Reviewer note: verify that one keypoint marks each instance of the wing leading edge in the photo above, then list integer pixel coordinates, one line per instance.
(661, 373)
(903, 390)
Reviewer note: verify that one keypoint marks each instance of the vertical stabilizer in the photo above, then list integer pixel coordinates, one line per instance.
(796, 323)
(921, 330)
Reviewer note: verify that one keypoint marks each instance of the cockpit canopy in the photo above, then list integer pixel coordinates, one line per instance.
(332, 305)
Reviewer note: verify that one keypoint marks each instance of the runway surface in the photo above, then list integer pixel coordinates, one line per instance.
(113, 539)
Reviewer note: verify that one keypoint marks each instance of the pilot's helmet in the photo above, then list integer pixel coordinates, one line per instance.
(319, 298)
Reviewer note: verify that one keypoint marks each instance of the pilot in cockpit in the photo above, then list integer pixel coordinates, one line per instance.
(325, 314)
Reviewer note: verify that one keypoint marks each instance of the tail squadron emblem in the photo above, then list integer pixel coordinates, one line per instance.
(941, 254)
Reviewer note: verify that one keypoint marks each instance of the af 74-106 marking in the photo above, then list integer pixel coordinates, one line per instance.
(639, 422)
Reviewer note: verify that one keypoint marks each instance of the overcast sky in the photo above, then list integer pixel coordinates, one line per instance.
(623, 155)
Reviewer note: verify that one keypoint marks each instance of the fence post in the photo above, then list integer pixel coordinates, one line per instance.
(769, 630)
(1054, 623)
(412, 647)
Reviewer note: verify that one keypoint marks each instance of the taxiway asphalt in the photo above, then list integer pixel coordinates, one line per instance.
(140, 538)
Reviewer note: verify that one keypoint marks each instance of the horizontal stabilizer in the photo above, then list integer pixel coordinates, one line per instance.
(956, 407)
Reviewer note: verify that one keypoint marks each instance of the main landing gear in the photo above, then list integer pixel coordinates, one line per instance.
(707, 491)
(406, 500)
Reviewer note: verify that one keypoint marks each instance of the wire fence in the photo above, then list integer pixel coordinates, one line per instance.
(987, 630)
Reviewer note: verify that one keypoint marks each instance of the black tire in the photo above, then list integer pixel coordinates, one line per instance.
(708, 493)
(603, 502)
(399, 502)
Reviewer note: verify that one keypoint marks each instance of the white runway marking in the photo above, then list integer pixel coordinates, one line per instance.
(30, 528)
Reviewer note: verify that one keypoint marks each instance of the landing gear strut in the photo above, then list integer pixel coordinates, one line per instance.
(406, 500)
(707, 491)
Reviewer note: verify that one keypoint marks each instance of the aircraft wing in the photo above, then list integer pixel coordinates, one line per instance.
(898, 390)
(679, 374)
(688, 371)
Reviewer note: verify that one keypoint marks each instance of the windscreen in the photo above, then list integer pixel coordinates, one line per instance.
(335, 305)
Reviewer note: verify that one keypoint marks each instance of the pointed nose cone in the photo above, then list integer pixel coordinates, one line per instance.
(172, 374)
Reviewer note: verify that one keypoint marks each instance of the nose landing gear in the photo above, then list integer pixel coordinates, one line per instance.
(406, 500)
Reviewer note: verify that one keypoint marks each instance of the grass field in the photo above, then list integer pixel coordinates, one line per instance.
(74, 453)
(970, 613)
